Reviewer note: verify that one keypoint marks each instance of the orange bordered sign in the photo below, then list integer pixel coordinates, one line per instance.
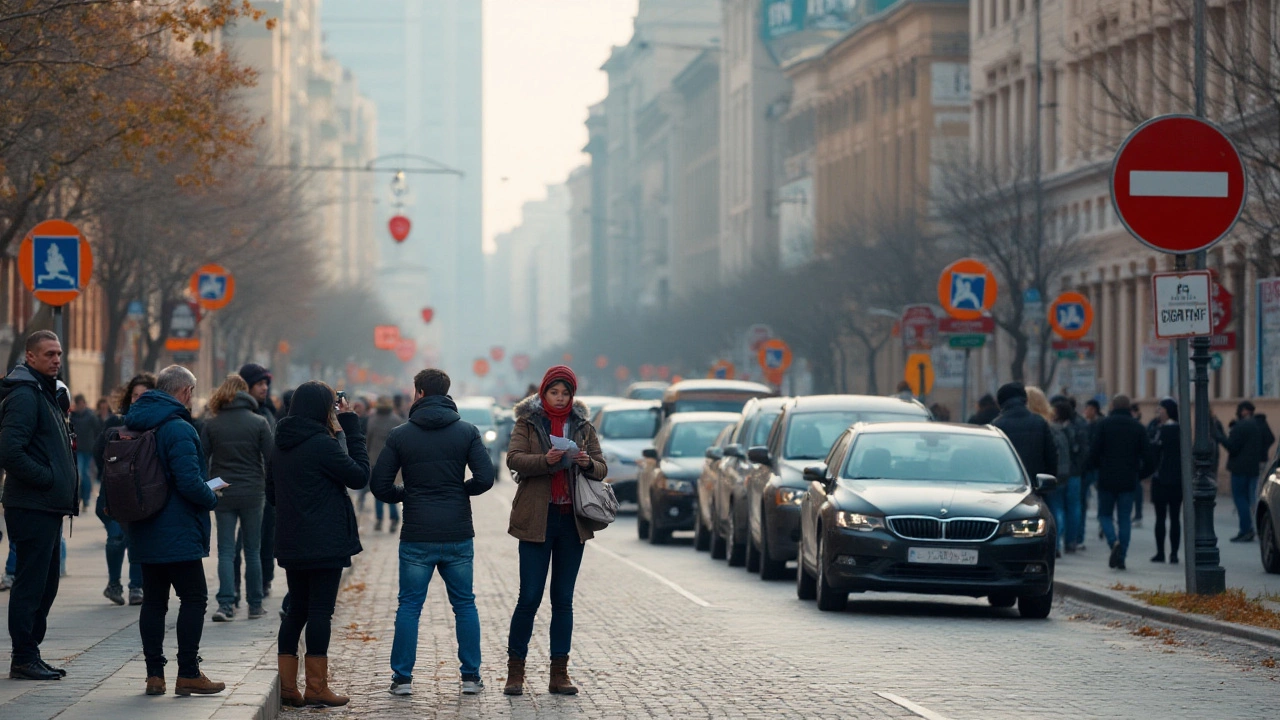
(213, 287)
(55, 262)
(774, 357)
(966, 289)
(1071, 315)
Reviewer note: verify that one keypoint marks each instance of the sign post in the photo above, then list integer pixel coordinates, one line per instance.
(774, 357)
(967, 291)
(1178, 185)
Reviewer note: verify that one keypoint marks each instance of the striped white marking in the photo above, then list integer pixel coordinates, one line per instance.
(923, 712)
(1159, 183)
(684, 593)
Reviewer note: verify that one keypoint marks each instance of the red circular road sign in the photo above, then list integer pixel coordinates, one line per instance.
(1071, 315)
(1178, 184)
(602, 361)
(497, 353)
(406, 349)
(966, 289)
(480, 367)
(520, 363)
(55, 262)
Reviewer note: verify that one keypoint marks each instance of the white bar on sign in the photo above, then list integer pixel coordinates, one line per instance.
(1160, 183)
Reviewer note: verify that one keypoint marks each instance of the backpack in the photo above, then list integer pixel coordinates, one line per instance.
(134, 481)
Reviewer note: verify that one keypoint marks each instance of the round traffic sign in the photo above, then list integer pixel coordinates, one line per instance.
(55, 262)
(722, 370)
(480, 367)
(602, 361)
(1178, 183)
(918, 369)
(497, 353)
(406, 349)
(213, 287)
(966, 289)
(1071, 315)
(774, 355)
(520, 362)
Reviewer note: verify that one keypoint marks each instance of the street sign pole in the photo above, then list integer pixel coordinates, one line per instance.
(964, 386)
(923, 393)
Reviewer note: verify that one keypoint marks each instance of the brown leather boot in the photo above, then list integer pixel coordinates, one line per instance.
(155, 685)
(318, 692)
(197, 686)
(560, 682)
(289, 695)
(515, 677)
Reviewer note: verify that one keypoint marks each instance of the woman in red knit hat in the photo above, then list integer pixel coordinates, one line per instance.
(551, 536)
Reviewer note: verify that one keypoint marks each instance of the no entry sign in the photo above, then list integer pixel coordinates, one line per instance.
(1178, 184)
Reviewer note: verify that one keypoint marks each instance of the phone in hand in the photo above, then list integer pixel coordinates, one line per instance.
(341, 395)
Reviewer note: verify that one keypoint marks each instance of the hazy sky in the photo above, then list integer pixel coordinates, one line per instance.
(541, 72)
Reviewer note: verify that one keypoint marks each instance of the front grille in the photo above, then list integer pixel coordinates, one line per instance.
(911, 527)
(974, 573)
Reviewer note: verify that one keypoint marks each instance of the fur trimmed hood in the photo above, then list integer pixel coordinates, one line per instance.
(531, 407)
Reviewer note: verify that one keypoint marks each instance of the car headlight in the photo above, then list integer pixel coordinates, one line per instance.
(490, 435)
(859, 521)
(679, 486)
(789, 496)
(1028, 528)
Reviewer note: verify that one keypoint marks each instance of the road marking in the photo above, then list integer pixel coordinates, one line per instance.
(687, 595)
(1153, 183)
(923, 712)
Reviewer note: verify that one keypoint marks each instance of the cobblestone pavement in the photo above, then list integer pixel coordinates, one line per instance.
(667, 632)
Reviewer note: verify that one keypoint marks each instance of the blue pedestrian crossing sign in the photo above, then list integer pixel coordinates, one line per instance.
(1071, 316)
(967, 290)
(213, 287)
(57, 263)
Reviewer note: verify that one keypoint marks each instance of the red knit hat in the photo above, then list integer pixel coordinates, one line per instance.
(559, 373)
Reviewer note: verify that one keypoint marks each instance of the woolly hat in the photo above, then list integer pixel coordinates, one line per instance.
(254, 373)
(559, 373)
(1170, 406)
(1011, 391)
(312, 400)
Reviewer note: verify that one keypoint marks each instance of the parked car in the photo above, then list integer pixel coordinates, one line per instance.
(711, 396)
(939, 509)
(711, 469)
(802, 435)
(483, 412)
(595, 402)
(1267, 517)
(727, 516)
(669, 470)
(647, 390)
(625, 429)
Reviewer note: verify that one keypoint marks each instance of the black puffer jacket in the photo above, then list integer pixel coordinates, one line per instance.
(1168, 475)
(1121, 452)
(307, 483)
(238, 442)
(1247, 446)
(35, 446)
(1031, 437)
(432, 452)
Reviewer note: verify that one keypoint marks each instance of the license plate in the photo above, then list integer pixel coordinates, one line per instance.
(942, 556)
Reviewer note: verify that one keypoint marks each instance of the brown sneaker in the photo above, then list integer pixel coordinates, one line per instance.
(197, 686)
(156, 686)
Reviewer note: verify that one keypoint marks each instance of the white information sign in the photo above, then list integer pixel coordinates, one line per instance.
(1183, 304)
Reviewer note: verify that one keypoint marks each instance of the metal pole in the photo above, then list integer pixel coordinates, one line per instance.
(923, 393)
(1183, 385)
(964, 389)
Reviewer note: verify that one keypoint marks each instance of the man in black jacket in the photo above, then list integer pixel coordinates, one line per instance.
(42, 486)
(1121, 456)
(988, 410)
(1029, 433)
(432, 452)
(1247, 448)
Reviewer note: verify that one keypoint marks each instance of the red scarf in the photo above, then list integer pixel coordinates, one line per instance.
(559, 423)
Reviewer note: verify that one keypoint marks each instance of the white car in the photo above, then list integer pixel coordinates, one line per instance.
(626, 428)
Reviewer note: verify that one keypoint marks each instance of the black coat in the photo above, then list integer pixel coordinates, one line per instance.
(35, 446)
(984, 416)
(87, 426)
(1247, 446)
(1031, 437)
(1121, 452)
(1167, 483)
(307, 482)
(432, 452)
(238, 442)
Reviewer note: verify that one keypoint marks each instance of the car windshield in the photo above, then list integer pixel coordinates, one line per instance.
(654, 393)
(692, 439)
(811, 435)
(933, 456)
(480, 416)
(760, 433)
(629, 424)
(705, 405)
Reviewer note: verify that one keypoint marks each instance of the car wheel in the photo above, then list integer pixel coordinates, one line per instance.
(701, 536)
(642, 526)
(828, 598)
(718, 546)
(1036, 606)
(737, 555)
(806, 586)
(1269, 543)
(658, 535)
(1002, 600)
(770, 569)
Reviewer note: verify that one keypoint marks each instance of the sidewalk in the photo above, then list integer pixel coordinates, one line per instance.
(98, 644)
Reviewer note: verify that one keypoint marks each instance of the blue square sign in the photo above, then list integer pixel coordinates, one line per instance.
(968, 290)
(213, 287)
(1070, 315)
(57, 263)
(773, 358)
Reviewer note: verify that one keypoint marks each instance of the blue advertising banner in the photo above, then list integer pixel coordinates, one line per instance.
(782, 17)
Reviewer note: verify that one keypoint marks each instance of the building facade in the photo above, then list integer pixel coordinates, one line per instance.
(695, 227)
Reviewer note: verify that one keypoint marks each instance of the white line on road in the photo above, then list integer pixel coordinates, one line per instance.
(687, 595)
(1153, 183)
(923, 712)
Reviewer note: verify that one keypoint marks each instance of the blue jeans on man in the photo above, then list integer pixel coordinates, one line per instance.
(418, 562)
(1242, 491)
(250, 521)
(1064, 503)
(1108, 504)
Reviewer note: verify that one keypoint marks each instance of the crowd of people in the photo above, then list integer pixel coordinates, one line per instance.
(275, 478)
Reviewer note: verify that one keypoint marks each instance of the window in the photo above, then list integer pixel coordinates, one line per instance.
(933, 456)
(630, 424)
(811, 435)
(691, 439)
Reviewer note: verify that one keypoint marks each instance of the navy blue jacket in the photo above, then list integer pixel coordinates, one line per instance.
(180, 531)
(35, 446)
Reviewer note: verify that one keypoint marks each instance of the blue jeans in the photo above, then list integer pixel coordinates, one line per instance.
(561, 553)
(377, 510)
(84, 462)
(1108, 504)
(1242, 490)
(1074, 511)
(418, 562)
(117, 545)
(1088, 481)
(250, 520)
(1057, 502)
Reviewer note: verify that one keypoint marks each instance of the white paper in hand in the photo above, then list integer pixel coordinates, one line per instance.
(559, 443)
(217, 484)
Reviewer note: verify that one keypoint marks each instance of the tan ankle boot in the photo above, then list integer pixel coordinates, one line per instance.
(515, 677)
(560, 682)
(289, 695)
(197, 686)
(318, 692)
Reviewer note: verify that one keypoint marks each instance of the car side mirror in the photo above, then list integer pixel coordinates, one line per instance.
(1044, 482)
(759, 455)
(715, 453)
(651, 453)
(734, 451)
(816, 473)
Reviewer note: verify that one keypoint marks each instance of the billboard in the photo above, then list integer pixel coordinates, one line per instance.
(1268, 359)
(780, 18)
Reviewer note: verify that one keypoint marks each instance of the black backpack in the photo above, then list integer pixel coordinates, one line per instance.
(134, 481)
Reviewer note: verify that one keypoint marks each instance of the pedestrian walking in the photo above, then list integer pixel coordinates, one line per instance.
(41, 487)
(988, 410)
(172, 544)
(1166, 485)
(259, 378)
(380, 425)
(551, 535)
(1247, 446)
(433, 451)
(904, 392)
(307, 481)
(86, 426)
(118, 542)
(1092, 414)
(1121, 453)
(1030, 433)
(238, 442)
(1076, 433)
(1038, 404)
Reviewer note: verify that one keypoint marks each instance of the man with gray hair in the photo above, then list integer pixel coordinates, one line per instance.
(172, 543)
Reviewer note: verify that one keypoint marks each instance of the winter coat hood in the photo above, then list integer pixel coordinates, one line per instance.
(153, 409)
(21, 375)
(293, 430)
(434, 412)
(242, 401)
(531, 407)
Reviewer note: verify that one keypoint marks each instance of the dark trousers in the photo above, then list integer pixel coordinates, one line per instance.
(561, 553)
(35, 537)
(313, 594)
(1173, 508)
(268, 549)
(187, 580)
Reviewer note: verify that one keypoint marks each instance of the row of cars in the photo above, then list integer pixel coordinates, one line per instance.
(861, 493)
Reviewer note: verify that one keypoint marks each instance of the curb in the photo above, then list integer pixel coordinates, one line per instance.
(1118, 602)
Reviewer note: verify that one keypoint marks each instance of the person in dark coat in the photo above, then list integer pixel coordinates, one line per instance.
(117, 535)
(1030, 434)
(41, 487)
(1166, 485)
(172, 544)
(307, 481)
(258, 378)
(86, 425)
(238, 442)
(377, 428)
(1247, 447)
(1121, 453)
(433, 452)
(988, 410)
